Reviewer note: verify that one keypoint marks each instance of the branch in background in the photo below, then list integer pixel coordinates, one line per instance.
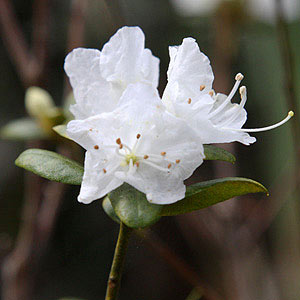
(15, 42)
(177, 264)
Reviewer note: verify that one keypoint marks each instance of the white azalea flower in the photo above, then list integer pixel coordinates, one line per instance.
(189, 96)
(99, 78)
(139, 143)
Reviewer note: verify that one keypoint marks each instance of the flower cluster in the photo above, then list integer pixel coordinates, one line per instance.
(131, 134)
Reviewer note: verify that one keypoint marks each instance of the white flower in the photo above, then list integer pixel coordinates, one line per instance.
(139, 143)
(189, 95)
(99, 78)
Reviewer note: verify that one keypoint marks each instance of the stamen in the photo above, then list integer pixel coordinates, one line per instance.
(104, 171)
(146, 156)
(177, 161)
(96, 147)
(290, 115)
(189, 101)
(163, 153)
(155, 166)
(238, 79)
(118, 141)
(169, 166)
(138, 136)
(202, 87)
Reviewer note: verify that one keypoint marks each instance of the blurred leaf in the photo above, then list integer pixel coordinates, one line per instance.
(207, 193)
(22, 130)
(62, 131)
(106, 204)
(51, 165)
(70, 298)
(215, 153)
(68, 101)
(132, 207)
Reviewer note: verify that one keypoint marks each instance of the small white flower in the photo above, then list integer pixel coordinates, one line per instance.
(189, 96)
(99, 78)
(139, 143)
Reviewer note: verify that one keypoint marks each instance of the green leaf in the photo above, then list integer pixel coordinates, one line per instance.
(62, 131)
(132, 207)
(22, 130)
(51, 165)
(215, 153)
(207, 193)
(106, 204)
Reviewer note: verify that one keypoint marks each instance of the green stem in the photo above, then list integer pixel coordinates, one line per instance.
(114, 279)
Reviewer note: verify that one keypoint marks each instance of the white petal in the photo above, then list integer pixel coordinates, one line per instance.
(124, 59)
(96, 182)
(92, 93)
(190, 69)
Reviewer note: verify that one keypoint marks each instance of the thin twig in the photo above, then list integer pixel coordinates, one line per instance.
(15, 42)
(177, 264)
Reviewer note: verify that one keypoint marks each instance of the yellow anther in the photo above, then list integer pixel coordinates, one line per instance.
(163, 153)
(169, 166)
(177, 161)
(291, 113)
(118, 141)
(211, 93)
(202, 87)
(96, 147)
(239, 77)
(138, 136)
(189, 101)
(146, 156)
(104, 171)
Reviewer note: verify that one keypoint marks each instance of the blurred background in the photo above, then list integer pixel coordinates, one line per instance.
(53, 247)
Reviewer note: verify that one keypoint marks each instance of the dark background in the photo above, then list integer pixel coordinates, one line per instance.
(260, 263)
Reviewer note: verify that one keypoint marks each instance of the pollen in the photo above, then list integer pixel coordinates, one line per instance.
(169, 166)
(96, 147)
(239, 77)
(202, 87)
(163, 153)
(138, 136)
(118, 141)
(104, 171)
(177, 161)
(146, 156)
(189, 101)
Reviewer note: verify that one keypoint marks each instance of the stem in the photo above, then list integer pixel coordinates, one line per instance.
(114, 279)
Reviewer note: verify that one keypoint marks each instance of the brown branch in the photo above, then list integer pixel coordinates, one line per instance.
(177, 264)
(15, 42)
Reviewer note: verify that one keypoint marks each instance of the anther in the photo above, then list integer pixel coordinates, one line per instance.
(189, 101)
(242, 90)
(146, 156)
(138, 136)
(163, 153)
(121, 146)
(137, 164)
(211, 93)
(239, 77)
(177, 161)
(91, 129)
(96, 147)
(104, 171)
(169, 166)
(202, 87)
(118, 141)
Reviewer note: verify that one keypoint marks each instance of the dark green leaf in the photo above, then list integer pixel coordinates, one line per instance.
(132, 207)
(51, 165)
(207, 193)
(215, 153)
(106, 204)
(22, 130)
